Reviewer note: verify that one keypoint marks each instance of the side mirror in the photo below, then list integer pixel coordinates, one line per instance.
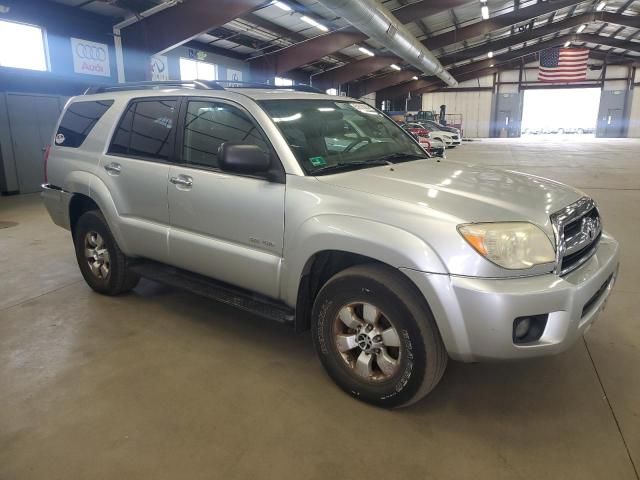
(235, 157)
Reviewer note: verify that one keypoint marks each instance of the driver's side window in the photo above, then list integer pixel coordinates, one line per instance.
(210, 124)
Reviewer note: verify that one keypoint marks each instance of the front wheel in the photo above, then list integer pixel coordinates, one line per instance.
(376, 336)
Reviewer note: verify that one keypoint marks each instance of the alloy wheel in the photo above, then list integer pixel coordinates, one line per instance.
(367, 341)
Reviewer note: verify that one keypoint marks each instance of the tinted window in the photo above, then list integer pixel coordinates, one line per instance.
(78, 121)
(146, 130)
(120, 142)
(208, 125)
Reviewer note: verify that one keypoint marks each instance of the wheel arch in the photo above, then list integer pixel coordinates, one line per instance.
(326, 246)
(89, 192)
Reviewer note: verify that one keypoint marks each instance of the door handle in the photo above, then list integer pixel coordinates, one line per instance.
(182, 181)
(113, 168)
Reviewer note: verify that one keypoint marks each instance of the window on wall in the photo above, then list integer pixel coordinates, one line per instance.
(197, 70)
(22, 46)
(283, 82)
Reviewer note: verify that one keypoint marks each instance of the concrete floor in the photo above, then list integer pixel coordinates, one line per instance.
(163, 384)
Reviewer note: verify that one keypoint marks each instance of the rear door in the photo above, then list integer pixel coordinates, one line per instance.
(224, 225)
(135, 169)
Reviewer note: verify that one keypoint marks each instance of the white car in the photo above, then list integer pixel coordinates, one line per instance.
(451, 140)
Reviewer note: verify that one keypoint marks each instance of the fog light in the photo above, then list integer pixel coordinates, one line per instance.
(521, 328)
(529, 329)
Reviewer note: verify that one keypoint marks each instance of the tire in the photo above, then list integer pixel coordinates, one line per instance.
(419, 360)
(92, 236)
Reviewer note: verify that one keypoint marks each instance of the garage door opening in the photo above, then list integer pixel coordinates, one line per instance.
(560, 111)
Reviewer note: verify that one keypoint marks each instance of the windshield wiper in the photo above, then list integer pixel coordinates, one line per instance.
(350, 165)
(401, 157)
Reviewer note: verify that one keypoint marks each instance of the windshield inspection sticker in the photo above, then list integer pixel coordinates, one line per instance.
(317, 161)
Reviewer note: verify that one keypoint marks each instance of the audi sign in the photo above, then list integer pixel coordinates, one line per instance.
(90, 58)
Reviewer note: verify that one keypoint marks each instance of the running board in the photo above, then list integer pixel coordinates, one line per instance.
(215, 290)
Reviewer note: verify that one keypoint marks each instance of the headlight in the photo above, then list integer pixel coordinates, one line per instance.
(512, 245)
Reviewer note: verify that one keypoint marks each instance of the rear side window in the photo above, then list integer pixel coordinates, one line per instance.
(146, 130)
(78, 121)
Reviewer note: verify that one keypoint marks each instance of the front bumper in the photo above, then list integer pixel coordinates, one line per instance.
(476, 315)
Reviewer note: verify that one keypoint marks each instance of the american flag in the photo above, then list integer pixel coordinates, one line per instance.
(563, 64)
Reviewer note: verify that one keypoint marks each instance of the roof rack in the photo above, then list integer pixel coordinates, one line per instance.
(196, 84)
(121, 87)
(301, 87)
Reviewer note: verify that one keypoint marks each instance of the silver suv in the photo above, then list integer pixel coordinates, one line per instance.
(321, 213)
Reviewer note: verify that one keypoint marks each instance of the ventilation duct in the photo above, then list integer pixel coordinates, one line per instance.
(375, 20)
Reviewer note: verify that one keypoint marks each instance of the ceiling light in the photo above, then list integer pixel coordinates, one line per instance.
(582, 27)
(282, 6)
(491, 65)
(567, 43)
(366, 52)
(601, 6)
(395, 67)
(490, 54)
(414, 77)
(311, 21)
(485, 12)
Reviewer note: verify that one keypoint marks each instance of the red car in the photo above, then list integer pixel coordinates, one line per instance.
(422, 135)
(416, 129)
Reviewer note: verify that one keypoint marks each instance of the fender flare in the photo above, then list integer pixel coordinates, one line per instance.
(88, 184)
(386, 243)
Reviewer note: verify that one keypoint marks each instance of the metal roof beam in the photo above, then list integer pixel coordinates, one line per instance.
(302, 53)
(485, 27)
(626, 20)
(295, 56)
(516, 39)
(181, 23)
(351, 71)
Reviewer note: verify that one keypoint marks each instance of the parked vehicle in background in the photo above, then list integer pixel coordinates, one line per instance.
(435, 126)
(451, 140)
(320, 212)
(436, 147)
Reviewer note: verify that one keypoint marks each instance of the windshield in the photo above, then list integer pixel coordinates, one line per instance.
(328, 136)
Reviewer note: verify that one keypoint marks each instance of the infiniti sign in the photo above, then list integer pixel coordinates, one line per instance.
(90, 58)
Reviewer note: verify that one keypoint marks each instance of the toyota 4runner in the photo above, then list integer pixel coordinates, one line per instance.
(320, 212)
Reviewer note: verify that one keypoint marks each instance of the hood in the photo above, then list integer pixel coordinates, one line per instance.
(466, 192)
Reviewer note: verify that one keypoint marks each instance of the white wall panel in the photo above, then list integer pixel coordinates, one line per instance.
(475, 108)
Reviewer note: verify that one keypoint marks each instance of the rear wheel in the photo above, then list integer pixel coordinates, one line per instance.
(376, 337)
(102, 263)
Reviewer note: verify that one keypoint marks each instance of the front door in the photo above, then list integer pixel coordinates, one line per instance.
(135, 171)
(224, 225)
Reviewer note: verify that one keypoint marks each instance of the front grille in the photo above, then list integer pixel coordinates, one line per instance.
(578, 230)
(577, 258)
